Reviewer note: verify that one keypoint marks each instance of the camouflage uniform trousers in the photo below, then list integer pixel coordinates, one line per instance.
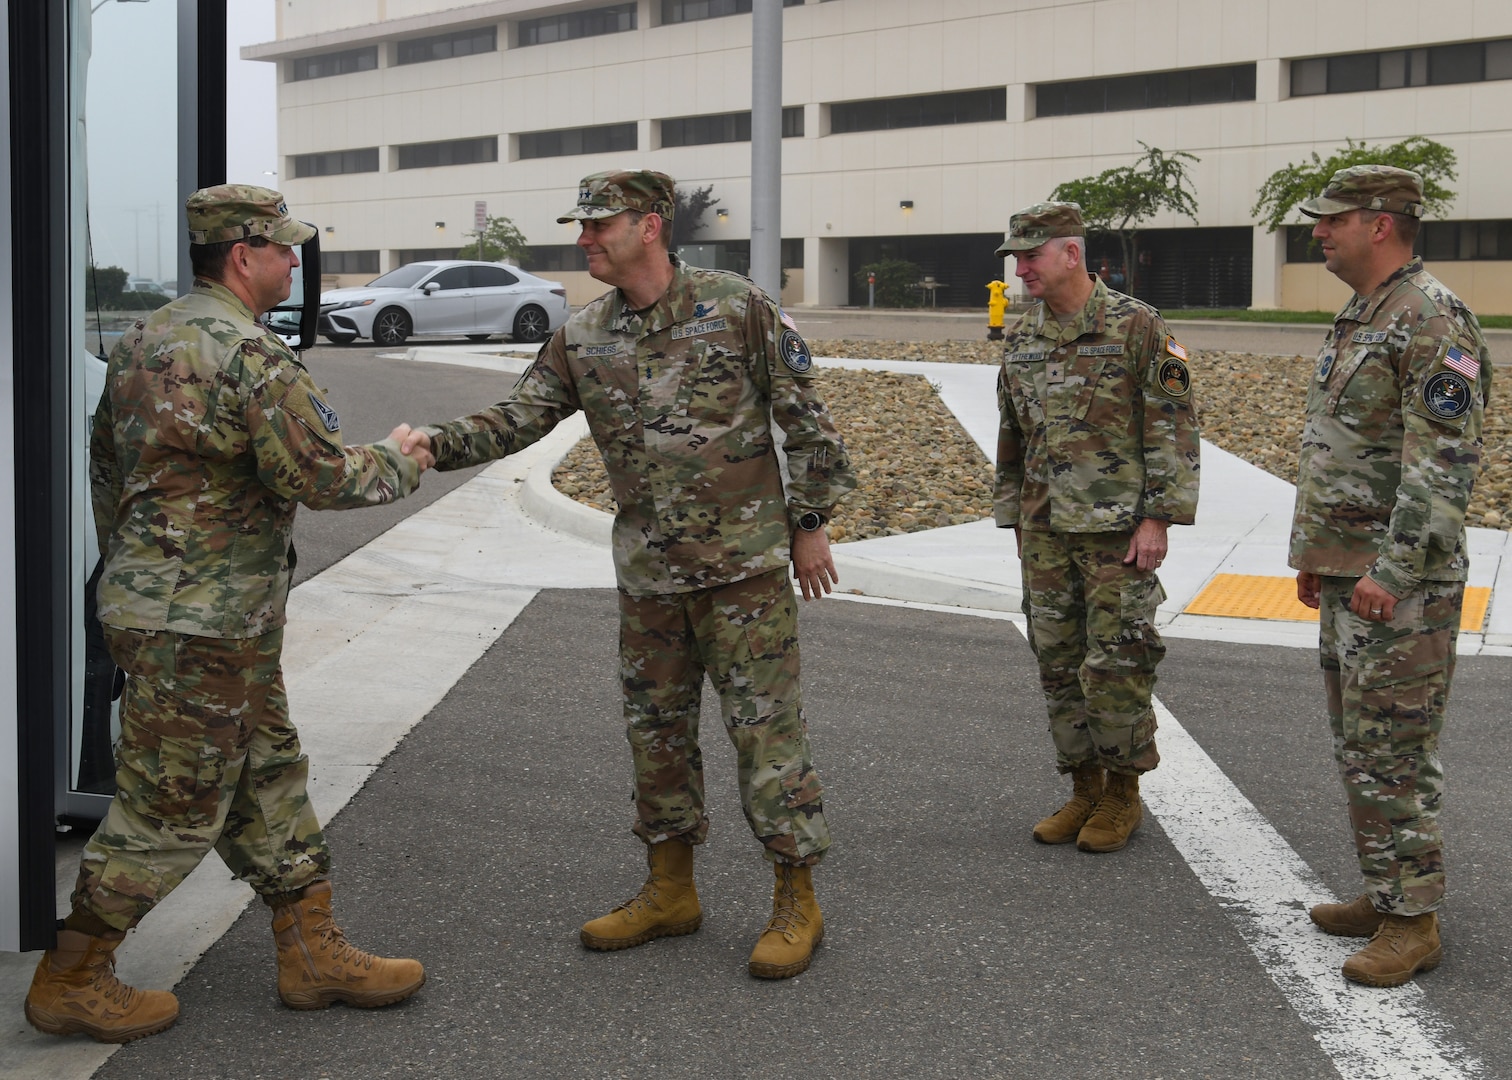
(206, 758)
(1092, 629)
(1388, 686)
(745, 636)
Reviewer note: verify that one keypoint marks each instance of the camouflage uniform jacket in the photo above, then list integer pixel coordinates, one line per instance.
(1099, 430)
(208, 433)
(680, 399)
(1393, 437)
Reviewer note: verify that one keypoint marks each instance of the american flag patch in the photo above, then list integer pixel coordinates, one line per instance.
(1468, 366)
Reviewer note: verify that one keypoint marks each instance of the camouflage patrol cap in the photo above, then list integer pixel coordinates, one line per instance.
(605, 194)
(1033, 225)
(238, 211)
(1369, 187)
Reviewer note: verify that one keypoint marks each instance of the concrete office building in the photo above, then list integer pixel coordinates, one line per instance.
(911, 129)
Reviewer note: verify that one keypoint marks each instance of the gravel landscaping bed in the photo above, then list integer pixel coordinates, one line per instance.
(919, 470)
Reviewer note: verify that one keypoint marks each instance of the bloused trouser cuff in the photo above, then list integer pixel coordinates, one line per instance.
(1092, 629)
(744, 635)
(207, 758)
(1388, 688)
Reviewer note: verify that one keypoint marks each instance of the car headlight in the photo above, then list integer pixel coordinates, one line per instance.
(344, 304)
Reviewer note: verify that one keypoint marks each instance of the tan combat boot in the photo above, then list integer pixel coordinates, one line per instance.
(1118, 814)
(1062, 826)
(1358, 918)
(318, 966)
(1403, 945)
(75, 989)
(666, 906)
(796, 927)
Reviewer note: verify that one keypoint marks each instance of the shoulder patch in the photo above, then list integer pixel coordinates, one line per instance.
(1446, 395)
(795, 354)
(1458, 360)
(1174, 378)
(1175, 348)
(327, 414)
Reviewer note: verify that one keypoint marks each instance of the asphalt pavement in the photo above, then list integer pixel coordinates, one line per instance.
(452, 667)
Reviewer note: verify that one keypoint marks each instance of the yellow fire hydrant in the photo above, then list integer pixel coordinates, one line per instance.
(997, 304)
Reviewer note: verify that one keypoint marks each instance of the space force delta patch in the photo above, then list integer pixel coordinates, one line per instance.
(327, 414)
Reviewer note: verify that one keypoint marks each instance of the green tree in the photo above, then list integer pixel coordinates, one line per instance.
(499, 241)
(102, 285)
(1118, 200)
(688, 213)
(1287, 187)
(897, 282)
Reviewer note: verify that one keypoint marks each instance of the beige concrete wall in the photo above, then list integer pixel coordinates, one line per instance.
(1484, 286)
(963, 178)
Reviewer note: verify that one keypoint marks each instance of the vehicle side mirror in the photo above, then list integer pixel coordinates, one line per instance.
(430, 287)
(298, 316)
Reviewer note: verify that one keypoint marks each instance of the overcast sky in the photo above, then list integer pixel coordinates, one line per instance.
(130, 107)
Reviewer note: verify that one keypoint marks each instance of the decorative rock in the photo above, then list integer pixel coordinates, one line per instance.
(919, 470)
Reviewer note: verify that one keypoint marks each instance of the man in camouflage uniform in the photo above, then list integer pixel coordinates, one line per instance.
(1097, 456)
(680, 373)
(208, 434)
(1389, 456)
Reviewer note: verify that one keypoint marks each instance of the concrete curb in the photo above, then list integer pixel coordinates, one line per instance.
(859, 575)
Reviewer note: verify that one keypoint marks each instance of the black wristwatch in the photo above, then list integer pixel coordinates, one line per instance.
(810, 521)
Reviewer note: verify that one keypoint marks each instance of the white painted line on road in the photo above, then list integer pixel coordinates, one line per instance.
(1266, 889)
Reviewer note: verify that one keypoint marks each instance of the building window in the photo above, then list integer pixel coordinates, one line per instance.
(792, 253)
(556, 258)
(337, 63)
(925, 110)
(336, 162)
(604, 139)
(451, 152)
(483, 39)
(349, 262)
(1152, 90)
(676, 11)
(723, 128)
(1435, 65)
(406, 256)
(613, 19)
(1438, 241)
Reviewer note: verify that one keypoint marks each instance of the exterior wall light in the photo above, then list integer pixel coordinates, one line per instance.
(906, 204)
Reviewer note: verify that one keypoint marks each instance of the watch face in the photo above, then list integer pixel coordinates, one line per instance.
(810, 521)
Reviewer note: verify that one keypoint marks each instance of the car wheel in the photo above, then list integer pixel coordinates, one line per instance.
(391, 327)
(340, 339)
(478, 337)
(531, 324)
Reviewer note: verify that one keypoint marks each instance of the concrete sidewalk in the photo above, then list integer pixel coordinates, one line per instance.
(440, 588)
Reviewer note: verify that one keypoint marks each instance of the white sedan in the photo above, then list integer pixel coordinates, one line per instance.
(475, 299)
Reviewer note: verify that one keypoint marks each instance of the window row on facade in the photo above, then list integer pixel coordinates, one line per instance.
(1437, 241)
(543, 30)
(972, 106)
(543, 258)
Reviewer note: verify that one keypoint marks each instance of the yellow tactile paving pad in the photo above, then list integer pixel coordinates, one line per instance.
(1255, 596)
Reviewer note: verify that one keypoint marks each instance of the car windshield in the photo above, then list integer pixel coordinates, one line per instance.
(402, 278)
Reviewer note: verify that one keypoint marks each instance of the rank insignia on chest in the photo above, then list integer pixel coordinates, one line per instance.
(1447, 395)
(794, 352)
(1325, 365)
(327, 414)
(1055, 372)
